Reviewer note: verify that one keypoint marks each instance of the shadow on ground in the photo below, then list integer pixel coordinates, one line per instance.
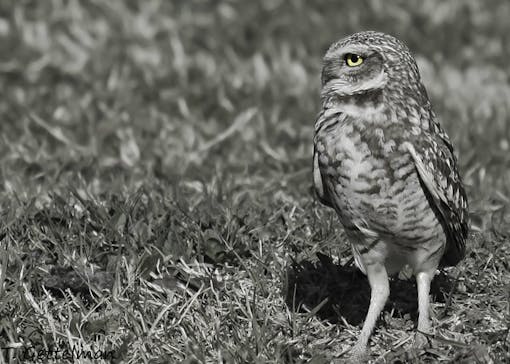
(333, 291)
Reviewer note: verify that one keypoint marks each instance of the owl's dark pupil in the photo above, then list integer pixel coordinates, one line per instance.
(354, 58)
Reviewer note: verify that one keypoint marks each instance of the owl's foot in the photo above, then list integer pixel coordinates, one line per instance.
(421, 341)
(358, 354)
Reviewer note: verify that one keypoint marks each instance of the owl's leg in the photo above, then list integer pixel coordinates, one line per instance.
(380, 290)
(423, 280)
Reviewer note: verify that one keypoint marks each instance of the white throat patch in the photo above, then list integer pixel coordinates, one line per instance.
(369, 112)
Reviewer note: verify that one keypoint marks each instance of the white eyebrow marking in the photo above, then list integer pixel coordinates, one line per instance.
(343, 88)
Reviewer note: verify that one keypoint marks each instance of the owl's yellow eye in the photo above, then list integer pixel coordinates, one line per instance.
(353, 60)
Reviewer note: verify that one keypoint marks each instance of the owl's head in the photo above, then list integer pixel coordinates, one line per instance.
(370, 64)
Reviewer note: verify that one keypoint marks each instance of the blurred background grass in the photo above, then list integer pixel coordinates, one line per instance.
(185, 127)
(142, 87)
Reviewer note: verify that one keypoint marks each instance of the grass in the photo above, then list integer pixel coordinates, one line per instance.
(155, 175)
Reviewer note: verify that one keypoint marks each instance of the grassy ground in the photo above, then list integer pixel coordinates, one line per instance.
(155, 174)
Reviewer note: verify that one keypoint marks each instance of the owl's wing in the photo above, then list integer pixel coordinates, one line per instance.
(318, 184)
(328, 117)
(437, 170)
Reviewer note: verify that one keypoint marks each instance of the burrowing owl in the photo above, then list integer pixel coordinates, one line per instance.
(383, 162)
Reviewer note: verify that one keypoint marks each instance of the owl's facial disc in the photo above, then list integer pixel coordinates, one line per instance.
(352, 70)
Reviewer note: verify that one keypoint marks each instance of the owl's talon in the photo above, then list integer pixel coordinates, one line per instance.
(420, 341)
(358, 355)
